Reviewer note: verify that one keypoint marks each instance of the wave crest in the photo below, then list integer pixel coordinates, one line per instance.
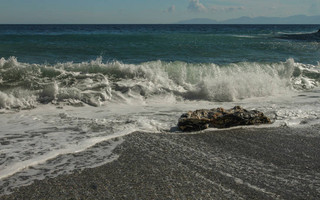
(96, 82)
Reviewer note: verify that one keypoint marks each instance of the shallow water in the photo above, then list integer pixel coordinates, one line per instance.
(48, 141)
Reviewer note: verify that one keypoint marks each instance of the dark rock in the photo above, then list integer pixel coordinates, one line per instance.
(220, 118)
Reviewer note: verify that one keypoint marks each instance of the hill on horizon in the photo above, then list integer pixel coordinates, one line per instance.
(296, 19)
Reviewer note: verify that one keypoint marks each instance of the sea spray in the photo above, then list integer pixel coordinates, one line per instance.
(95, 82)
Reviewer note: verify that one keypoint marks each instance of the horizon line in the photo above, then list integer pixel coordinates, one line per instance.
(157, 24)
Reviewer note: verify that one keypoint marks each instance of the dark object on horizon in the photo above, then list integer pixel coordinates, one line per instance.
(312, 37)
(220, 118)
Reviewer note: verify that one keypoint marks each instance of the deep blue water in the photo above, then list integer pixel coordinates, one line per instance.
(220, 44)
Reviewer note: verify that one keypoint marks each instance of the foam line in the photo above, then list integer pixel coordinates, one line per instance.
(12, 169)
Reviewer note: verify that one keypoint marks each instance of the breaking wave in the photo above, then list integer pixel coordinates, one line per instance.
(24, 85)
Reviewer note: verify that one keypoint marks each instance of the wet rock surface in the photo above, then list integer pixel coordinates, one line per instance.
(220, 118)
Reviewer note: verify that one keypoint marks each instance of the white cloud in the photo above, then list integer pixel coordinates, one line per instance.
(196, 6)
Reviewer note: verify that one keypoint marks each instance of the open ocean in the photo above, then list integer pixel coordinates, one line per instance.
(64, 89)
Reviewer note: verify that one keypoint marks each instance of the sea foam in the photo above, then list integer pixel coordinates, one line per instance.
(95, 82)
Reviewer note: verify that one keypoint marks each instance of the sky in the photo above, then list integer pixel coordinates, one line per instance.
(146, 11)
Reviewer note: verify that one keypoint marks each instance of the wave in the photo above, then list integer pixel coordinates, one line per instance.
(24, 85)
(245, 36)
(311, 37)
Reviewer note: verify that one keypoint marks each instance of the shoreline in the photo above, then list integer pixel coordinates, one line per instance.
(250, 163)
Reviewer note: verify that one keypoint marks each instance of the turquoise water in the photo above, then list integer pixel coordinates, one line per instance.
(217, 44)
(97, 64)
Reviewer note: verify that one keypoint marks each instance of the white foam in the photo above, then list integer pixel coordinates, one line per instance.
(50, 90)
(245, 36)
(95, 82)
(9, 101)
(71, 148)
(47, 137)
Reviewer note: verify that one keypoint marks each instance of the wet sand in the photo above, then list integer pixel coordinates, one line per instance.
(255, 163)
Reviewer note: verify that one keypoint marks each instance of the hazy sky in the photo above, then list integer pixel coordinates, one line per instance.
(147, 11)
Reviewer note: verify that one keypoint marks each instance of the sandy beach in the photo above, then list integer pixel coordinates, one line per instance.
(242, 163)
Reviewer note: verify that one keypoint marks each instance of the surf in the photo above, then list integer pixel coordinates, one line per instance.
(25, 85)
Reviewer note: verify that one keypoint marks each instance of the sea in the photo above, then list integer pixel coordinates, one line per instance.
(69, 93)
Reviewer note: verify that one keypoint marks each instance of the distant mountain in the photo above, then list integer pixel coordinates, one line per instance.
(296, 19)
(199, 21)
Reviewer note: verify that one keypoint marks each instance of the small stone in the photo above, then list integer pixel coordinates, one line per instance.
(93, 186)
